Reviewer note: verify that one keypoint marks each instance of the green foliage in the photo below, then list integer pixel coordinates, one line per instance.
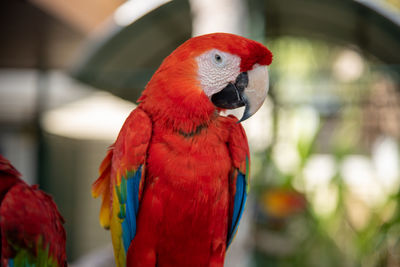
(25, 258)
(323, 151)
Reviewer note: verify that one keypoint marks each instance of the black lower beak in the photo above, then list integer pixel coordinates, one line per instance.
(232, 95)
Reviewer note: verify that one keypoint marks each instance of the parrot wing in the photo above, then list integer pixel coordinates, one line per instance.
(121, 181)
(238, 181)
(31, 228)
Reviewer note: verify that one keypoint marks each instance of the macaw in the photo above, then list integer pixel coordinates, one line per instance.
(174, 183)
(31, 227)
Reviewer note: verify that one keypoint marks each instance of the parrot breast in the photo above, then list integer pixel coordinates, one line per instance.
(189, 176)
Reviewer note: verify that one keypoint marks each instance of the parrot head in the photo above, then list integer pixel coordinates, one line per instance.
(225, 70)
(7, 169)
(8, 177)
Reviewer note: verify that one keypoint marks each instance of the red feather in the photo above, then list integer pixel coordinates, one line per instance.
(29, 218)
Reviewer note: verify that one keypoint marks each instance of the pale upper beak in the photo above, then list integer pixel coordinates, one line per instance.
(250, 90)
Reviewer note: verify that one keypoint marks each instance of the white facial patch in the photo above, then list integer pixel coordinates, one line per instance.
(216, 69)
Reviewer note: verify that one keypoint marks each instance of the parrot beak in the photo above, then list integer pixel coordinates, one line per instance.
(250, 90)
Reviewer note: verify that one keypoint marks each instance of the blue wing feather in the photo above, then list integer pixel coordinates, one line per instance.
(238, 207)
(131, 206)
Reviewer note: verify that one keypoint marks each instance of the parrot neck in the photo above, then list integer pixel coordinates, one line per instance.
(187, 123)
(184, 113)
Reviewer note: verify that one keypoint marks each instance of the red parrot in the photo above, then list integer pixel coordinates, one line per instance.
(174, 183)
(31, 228)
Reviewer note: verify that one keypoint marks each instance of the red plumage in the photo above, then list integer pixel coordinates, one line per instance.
(186, 201)
(29, 220)
(190, 156)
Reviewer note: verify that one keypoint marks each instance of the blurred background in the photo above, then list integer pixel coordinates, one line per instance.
(325, 146)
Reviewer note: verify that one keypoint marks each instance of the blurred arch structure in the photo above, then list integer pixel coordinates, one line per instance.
(121, 59)
(365, 24)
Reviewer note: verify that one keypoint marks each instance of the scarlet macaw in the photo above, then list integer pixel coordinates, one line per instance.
(31, 228)
(174, 183)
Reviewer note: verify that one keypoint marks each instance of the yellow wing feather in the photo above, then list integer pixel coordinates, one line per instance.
(116, 233)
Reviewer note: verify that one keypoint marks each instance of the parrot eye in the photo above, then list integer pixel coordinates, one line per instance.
(216, 69)
(218, 60)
